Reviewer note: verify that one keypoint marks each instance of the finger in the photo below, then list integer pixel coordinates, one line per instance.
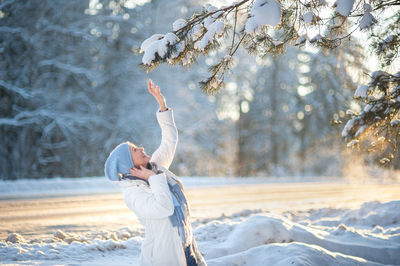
(151, 90)
(157, 89)
(134, 173)
(153, 85)
(133, 170)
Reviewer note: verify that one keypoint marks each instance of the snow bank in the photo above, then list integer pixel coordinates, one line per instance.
(265, 229)
(288, 254)
(81, 251)
(364, 236)
(369, 235)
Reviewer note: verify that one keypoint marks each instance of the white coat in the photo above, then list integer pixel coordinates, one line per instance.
(153, 203)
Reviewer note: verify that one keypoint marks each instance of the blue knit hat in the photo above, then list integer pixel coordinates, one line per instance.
(119, 161)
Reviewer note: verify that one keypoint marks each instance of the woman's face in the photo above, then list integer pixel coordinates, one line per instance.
(139, 157)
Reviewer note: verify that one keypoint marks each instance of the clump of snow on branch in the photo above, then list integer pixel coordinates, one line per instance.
(385, 44)
(212, 26)
(308, 17)
(159, 46)
(361, 130)
(196, 32)
(178, 50)
(380, 99)
(344, 7)
(349, 126)
(352, 143)
(263, 12)
(395, 123)
(150, 40)
(302, 39)
(178, 24)
(316, 38)
(367, 7)
(361, 92)
(368, 19)
(216, 27)
(210, 8)
(277, 42)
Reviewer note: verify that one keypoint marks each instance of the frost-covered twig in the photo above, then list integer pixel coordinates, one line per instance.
(15, 89)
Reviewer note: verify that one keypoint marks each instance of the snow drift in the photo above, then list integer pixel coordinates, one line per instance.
(369, 235)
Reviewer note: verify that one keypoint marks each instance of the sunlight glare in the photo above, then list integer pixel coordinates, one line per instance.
(133, 3)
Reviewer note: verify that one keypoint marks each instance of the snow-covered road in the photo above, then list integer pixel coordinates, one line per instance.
(321, 222)
(35, 218)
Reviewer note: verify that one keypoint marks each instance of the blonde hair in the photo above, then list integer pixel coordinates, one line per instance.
(131, 144)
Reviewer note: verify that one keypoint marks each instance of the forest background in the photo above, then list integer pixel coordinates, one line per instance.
(71, 89)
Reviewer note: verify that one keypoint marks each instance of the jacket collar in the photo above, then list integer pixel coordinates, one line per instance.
(135, 182)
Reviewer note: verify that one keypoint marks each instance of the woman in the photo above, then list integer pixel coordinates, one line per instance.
(156, 196)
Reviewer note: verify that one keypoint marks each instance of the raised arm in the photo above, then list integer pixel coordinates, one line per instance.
(155, 91)
(164, 155)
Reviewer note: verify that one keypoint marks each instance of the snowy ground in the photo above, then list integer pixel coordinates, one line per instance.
(236, 222)
(31, 188)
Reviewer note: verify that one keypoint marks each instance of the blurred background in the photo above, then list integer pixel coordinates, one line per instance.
(71, 89)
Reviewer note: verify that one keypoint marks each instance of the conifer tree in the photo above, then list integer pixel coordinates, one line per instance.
(265, 27)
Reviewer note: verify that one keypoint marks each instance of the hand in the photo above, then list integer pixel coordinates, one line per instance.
(155, 91)
(143, 172)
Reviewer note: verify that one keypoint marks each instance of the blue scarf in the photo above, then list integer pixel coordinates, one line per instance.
(180, 217)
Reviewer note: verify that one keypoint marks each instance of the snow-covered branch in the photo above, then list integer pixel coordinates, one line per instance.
(89, 74)
(5, 29)
(271, 27)
(379, 119)
(6, 3)
(20, 91)
(69, 31)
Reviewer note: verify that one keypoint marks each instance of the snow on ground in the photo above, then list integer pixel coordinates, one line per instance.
(364, 235)
(369, 235)
(30, 188)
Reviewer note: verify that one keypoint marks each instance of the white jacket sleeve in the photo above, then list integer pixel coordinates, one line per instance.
(164, 155)
(156, 204)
